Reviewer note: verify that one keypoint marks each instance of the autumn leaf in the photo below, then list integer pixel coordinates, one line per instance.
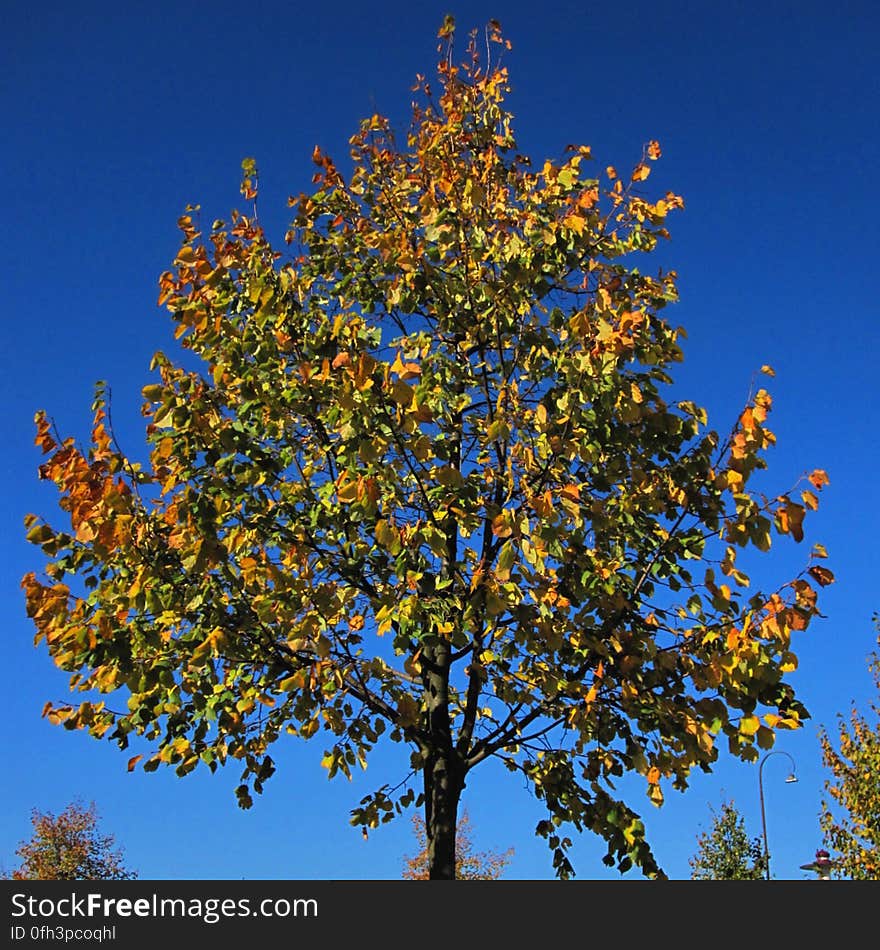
(810, 500)
(448, 27)
(819, 477)
(749, 725)
(821, 574)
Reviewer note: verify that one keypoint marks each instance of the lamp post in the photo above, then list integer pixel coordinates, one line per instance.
(791, 778)
(822, 865)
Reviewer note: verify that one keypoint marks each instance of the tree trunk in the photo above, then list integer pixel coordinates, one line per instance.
(443, 787)
(443, 771)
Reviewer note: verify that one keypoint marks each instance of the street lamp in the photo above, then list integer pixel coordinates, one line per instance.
(822, 865)
(791, 778)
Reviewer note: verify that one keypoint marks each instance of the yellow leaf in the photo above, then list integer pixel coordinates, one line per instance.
(810, 500)
(640, 173)
(308, 729)
(749, 725)
(654, 150)
(294, 682)
(347, 493)
(387, 536)
(768, 370)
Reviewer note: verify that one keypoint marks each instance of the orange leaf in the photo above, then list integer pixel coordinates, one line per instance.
(132, 762)
(654, 150)
(588, 198)
(819, 478)
(641, 172)
(43, 439)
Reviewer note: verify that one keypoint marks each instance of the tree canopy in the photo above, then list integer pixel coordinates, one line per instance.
(70, 847)
(726, 852)
(851, 812)
(430, 484)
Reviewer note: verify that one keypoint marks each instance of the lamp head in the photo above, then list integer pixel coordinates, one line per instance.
(791, 779)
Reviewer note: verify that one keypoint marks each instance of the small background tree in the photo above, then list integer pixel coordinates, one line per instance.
(726, 852)
(851, 814)
(69, 847)
(470, 865)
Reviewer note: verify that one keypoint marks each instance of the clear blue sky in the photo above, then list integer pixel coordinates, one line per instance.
(118, 115)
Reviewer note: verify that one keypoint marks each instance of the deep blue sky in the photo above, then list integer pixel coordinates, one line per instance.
(118, 115)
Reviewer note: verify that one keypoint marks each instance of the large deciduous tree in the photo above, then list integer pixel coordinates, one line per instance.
(431, 484)
(70, 847)
(851, 813)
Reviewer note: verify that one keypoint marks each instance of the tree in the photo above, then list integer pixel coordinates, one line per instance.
(850, 817)
(69, 847)
(725, 852)
(430, 483)
(470, 865)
